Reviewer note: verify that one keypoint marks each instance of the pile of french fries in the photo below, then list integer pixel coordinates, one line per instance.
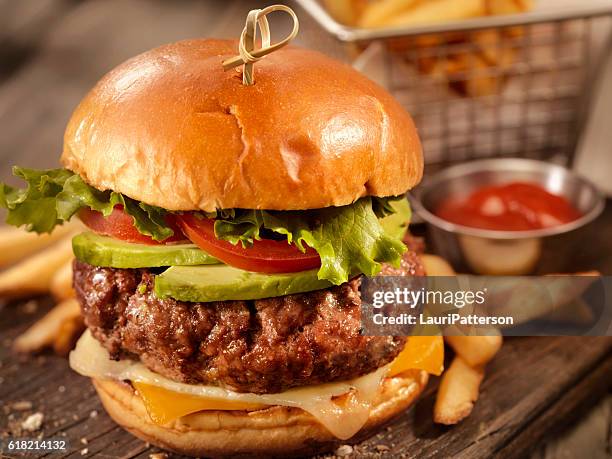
(40, 265)
(394, 13)
(460, 383)
(473, 63)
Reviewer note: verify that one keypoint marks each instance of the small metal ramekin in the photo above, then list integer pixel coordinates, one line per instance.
(500, 252)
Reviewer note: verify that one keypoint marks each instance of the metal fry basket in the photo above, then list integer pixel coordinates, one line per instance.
(495, 86)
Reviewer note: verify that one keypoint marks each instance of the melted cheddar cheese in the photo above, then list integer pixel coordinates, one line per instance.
(163, 405)
(421, 353)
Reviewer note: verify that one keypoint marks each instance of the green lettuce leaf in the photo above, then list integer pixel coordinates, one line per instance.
(349, 239)
(53, 196)
(383, 207)
(396, 224)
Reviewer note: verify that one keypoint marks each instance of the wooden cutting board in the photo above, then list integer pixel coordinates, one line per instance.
(533, 388)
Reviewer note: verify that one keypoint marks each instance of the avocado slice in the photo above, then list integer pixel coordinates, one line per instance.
(222, 283)
(112, 253)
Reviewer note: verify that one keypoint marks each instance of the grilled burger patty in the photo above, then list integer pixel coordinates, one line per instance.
(259, 346)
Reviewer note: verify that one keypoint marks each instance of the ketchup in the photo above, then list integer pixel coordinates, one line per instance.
(515, 206)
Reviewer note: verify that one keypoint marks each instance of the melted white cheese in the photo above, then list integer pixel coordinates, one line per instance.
(90, 359)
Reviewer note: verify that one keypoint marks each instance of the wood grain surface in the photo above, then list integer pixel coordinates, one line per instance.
(51, 53)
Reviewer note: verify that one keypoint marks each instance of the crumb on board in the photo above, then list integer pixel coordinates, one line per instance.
(93, 414)
(84, 451)
(343, 450)
(158, 456)
(365, 450)
(33, 422)
(22, 405)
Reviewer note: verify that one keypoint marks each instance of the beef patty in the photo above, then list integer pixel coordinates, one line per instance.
(260, 346)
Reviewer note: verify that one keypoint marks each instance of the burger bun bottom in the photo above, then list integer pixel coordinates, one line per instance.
(277, 431)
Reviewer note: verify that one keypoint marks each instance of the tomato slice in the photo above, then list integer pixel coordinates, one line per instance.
(264, 256)
(121, 226)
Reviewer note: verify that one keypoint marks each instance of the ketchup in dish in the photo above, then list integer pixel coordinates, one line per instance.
(514, 206)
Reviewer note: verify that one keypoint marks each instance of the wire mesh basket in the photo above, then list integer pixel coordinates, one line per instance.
(488, 87)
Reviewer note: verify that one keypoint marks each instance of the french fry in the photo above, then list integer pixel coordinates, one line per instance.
(437, 11)
(480, 83)
(44, 332)
(457, 392)
(475, 350)
(500, 7)
(495, 7)
(67, 335)
(471, 73)
(526, 299)
(506, 57)
(16, 243)
(525, 5)
(494, 47)
(488, 42)
(33, 275)
(377, 14)
(61, 282)
(436, 266)
(346, 11)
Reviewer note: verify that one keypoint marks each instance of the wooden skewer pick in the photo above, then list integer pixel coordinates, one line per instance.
(248, 55)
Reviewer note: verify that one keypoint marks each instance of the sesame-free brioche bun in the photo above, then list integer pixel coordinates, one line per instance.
(277, 431)
(171, 128)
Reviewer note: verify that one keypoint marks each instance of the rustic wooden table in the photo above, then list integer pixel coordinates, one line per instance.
(51, 53)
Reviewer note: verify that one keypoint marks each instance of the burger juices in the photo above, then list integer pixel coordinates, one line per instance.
(229, 227)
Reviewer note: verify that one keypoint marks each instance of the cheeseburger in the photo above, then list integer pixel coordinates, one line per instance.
(228, 230)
